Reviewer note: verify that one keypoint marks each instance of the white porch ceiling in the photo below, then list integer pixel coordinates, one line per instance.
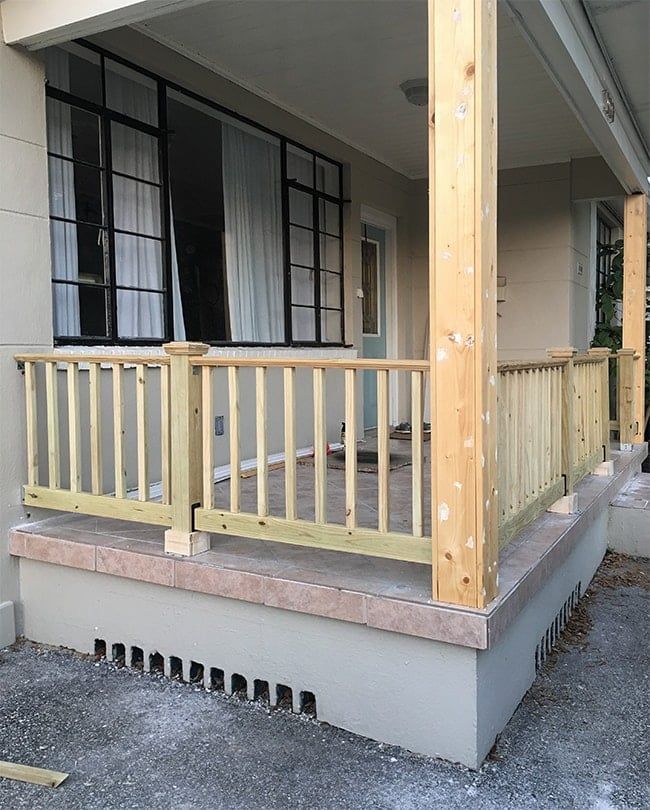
(624, 31)
(339, 65)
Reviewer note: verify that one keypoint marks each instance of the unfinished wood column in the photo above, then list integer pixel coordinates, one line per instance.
(186, 449)
(634, 295)
(462, 290)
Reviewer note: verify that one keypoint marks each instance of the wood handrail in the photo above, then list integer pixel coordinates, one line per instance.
(314, 362)
(525, 365)
(105, 359)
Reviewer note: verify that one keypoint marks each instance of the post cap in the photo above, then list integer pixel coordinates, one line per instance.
(185, 347)
(566, 352)
(626, 352)
(599, 351)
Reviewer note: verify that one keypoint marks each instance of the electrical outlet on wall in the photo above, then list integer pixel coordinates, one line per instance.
(219, 429)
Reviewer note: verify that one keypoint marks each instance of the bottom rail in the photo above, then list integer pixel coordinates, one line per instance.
(63, 500)
(390, 545)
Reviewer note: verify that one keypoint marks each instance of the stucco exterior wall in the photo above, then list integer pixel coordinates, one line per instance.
(25, 295)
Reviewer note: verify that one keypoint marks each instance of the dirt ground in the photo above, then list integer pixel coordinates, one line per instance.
(130, 740)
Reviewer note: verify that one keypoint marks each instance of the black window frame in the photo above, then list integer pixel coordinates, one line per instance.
(106, 117)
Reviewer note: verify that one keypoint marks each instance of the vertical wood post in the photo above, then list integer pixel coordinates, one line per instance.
(625, 391)
(567, 504)
(635, 257)
(462, 298)
(603, 353)
(186, 449)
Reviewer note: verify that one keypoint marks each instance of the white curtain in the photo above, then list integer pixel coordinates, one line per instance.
(253, 236)
(138, 261)
(65, 255)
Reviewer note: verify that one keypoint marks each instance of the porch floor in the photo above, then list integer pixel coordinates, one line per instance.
(384, 594)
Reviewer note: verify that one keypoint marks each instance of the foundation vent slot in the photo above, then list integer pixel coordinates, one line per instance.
(550, 637)
(213, 679)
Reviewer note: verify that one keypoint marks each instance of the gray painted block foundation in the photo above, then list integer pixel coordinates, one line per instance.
(7, 624)
(427, 696)
(629, 531)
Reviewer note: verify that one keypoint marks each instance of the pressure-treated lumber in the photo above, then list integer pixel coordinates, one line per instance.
(320, 362)
(118, 431)
(350, 448)
(261, 445)
(568, 415)
(290, 482)
(625, 391)
(383, 453)
(165, 437)
(31, 424)
(417, 453)
(392, 546)
(186, 445)
(95, 399)
(142, 431)
(462, 290)
(74, 426)
(84, 503)
(320, 447)
(27, 773)
(603, 353)
(208, 443)
(52, 399)
(635, 252)
(234, 438)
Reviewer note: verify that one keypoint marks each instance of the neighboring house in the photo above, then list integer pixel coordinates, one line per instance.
(249, 183)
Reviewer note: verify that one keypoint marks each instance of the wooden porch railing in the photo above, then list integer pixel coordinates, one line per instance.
(135, 441)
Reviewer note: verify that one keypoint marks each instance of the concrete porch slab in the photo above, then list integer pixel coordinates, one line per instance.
(629, 518)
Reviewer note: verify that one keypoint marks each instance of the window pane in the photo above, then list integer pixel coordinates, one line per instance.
(302, 286)
(77, 252)
(302, 247)
(131, 93)
(329, 218)
(75, 191)
(75, 70)
(330, 290)
(370, 286)
(79, 310)
(138, 262)
(303, 323)
(140, 315)
(327, 177)
(136, 206)
(330, 253)
(301, 208)
(134, 152)
(72, 132)
(330, 321)
(300, 166)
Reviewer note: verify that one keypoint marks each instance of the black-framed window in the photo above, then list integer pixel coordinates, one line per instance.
(173, 218)
(604, 258)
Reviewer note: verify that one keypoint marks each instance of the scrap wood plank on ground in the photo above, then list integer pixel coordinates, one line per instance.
(26, 773)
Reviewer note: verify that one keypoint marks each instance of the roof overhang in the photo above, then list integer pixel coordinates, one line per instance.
(564, 41)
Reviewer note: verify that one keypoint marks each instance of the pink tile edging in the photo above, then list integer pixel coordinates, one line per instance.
(431, 622)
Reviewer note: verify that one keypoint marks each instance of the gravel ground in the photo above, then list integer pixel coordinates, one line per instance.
(129, 740)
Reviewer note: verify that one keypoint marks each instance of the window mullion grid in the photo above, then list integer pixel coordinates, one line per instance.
(111, 314)
(286, 246)
(317, 269)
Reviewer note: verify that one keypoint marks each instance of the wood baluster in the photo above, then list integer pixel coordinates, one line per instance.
(74, 426)
(350, 448)
(290, 483)
(383, 451)
(320, 447)
(165, 434)
(142, 439)
(262, 442)
(234, 439)
(31, 424)
(95, 399)
(417, 452)
(118, 430)
(207, 444)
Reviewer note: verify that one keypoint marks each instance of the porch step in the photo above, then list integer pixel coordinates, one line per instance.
(629, 518)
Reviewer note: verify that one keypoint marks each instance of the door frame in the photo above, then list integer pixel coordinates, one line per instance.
(388, 223)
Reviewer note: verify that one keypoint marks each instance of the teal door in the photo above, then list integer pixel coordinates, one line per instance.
(373, 281)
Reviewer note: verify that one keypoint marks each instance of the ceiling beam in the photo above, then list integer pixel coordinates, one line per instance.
(561, 36)
(40, 23)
